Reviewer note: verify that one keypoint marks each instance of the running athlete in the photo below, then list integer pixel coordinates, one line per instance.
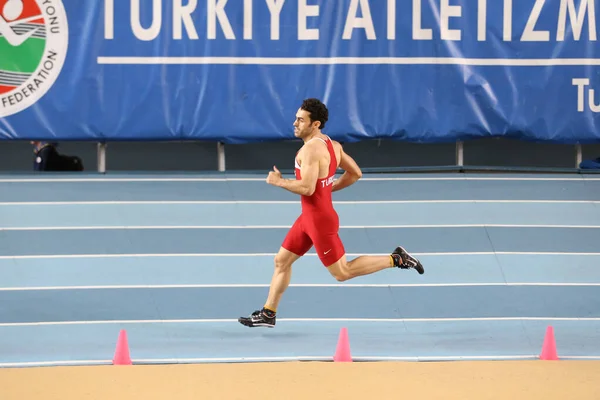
(318, 224)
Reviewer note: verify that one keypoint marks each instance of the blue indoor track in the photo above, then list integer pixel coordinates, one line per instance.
(176, 259)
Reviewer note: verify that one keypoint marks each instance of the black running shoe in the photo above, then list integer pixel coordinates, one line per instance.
(258, 318)
(404, 260)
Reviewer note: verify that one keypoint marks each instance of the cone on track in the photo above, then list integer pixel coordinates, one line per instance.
(549, 346)
(342, 351)
(122, 356)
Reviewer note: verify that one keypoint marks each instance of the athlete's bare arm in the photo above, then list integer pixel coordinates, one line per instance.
(352, 172)
(309, 172)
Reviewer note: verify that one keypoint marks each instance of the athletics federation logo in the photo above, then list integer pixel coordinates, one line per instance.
(34, 37)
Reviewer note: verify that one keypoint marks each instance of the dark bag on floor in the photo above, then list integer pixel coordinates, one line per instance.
(49, 159)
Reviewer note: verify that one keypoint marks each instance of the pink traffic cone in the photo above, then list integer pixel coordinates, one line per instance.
(122, 356)
(549, 346)
(342, 351)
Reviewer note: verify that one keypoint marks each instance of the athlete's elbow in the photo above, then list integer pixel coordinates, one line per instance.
(308, 191)
(356, 175)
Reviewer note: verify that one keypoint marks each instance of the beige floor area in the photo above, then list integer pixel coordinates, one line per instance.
(310, 380)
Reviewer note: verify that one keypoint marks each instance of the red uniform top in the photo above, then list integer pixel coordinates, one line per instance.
(318, 224)
(320, 200)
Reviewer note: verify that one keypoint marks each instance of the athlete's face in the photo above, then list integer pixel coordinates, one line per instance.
(303, 126)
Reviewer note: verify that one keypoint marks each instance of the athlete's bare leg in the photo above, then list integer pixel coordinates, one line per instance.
(279, 283)
(343, 270)
(281, 277)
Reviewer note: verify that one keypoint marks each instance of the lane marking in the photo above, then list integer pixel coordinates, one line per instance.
(150, 255)
(141, 361)
(305, 320)
(262, 180)
(301, 285)
(56, 363)
(294, 202)
(199, 227)
(355, 358)
(574, 178)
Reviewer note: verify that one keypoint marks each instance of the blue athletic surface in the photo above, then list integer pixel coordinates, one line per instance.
(300, 302)
(176, 259)
(242, 241)
(577, 188)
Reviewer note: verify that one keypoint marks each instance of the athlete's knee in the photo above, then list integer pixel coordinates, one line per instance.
(282, 264)
(341, 276)
(340, 272)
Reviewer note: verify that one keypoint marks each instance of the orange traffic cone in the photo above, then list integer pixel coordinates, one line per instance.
(342, 351)
(549, 346)
(122, 356)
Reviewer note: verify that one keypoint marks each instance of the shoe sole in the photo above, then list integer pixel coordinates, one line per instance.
(419, 267)
(250, 324)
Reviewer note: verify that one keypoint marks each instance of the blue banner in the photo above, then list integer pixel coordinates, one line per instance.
(236, 71)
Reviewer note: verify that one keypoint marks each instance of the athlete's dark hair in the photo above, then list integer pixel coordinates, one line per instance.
(317, 110)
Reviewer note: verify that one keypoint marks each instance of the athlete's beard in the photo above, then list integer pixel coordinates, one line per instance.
(305, 134)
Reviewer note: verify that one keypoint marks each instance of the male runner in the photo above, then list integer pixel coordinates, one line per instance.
(318, 224)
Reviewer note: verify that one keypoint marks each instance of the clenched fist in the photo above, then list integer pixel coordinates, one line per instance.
(274, 176)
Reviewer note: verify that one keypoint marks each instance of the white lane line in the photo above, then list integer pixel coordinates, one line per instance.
(303, 285)
(199, 227)
(141, 361)
(168, 255)
(305, 320)
(574, 178)
(291, 202)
